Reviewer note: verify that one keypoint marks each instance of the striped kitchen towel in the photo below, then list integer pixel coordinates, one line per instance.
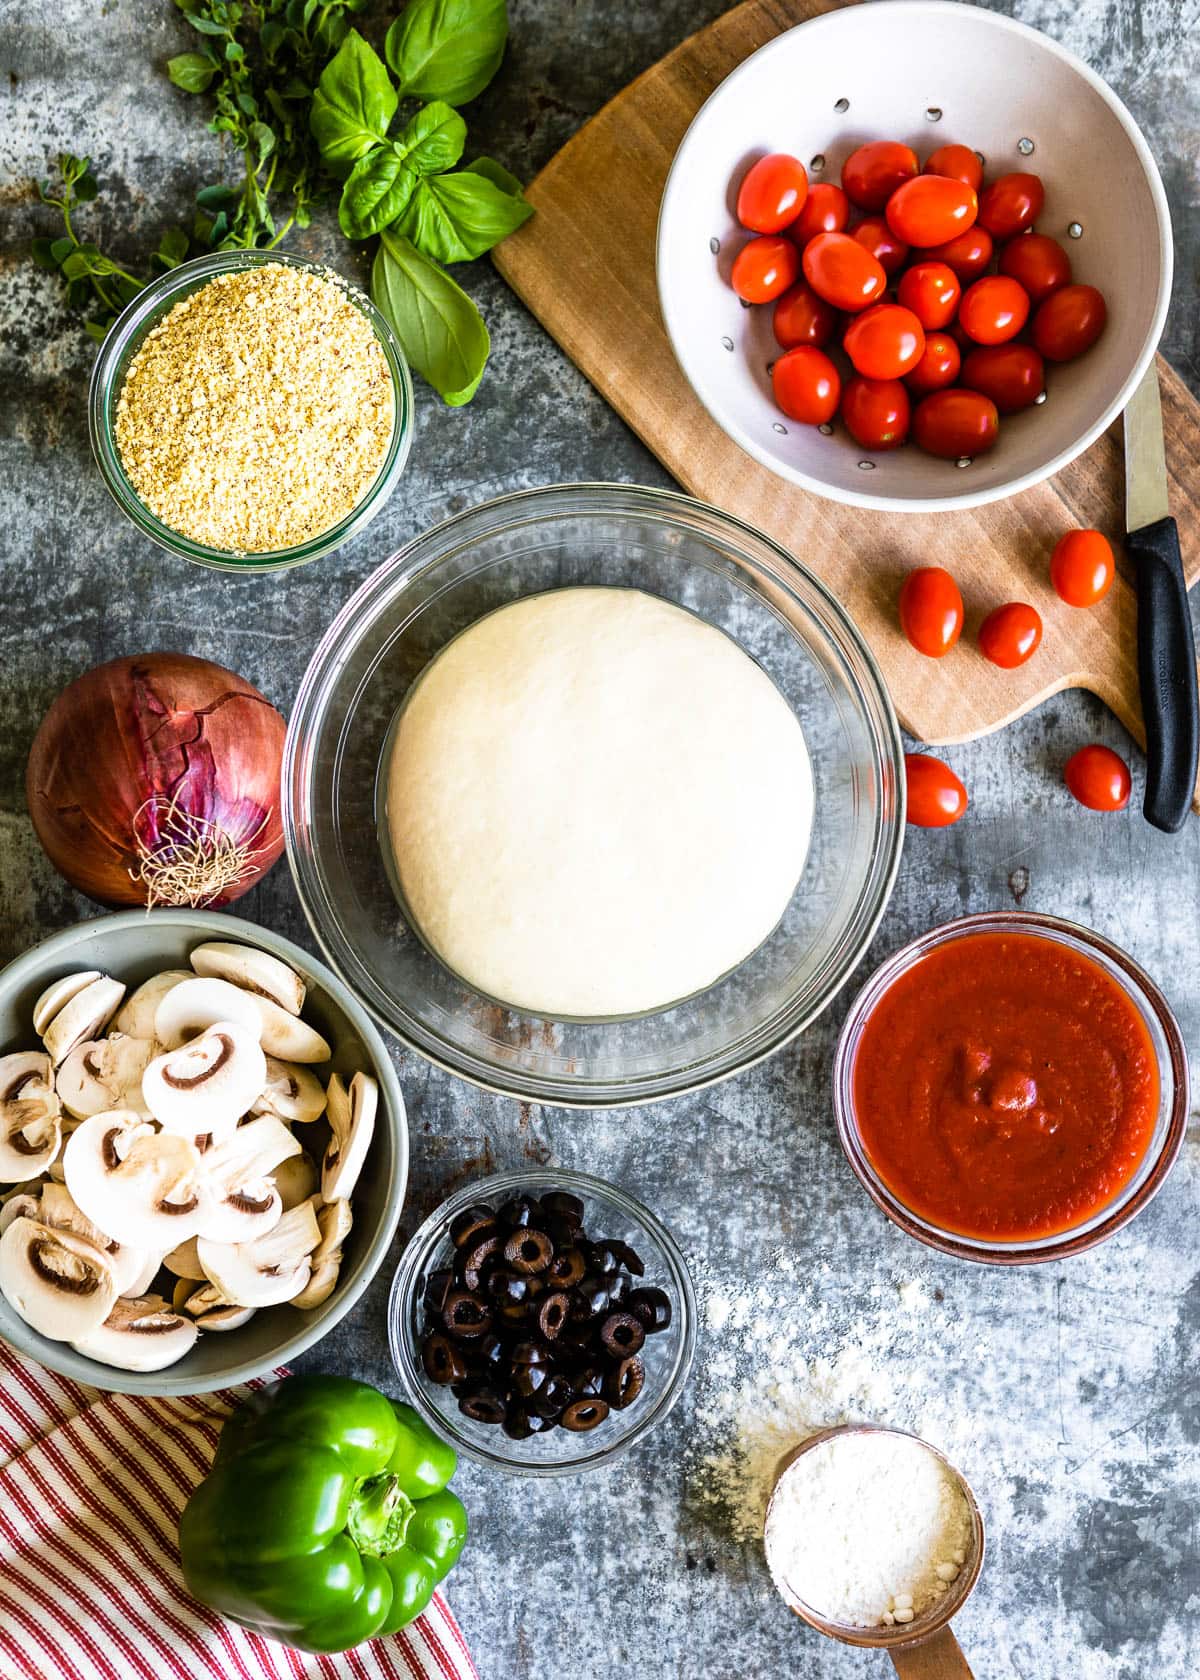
(91, 1487)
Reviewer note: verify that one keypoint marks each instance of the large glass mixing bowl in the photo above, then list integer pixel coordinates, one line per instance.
(732, 577)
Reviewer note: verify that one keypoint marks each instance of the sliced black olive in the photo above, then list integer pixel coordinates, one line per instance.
(622, 1334)
(528, 1380)
(522, 1422)
(652, 1306)
(465, 1316)
(600, 1257)
(443, 1362)
(624, 1382)
(516, 1315)
(485, 1406)
(490, 1352)
(471, 1225)
(564, 1206)
(552, 1314)
(437, 1285)
(566, 1269)
(530, 1353)
(556, 1393)
(505, 1285)
(477, 1257)
(529, 1251)
(590, 1299)
(588, 1382)
(628, 1257)
(560, 1231)
(620, 1284)
(584, 1414)
(516, 1213)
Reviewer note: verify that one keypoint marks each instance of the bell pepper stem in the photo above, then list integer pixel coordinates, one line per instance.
(380, 1512)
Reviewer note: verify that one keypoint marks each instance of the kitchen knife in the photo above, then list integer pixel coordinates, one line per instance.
(1166, 649)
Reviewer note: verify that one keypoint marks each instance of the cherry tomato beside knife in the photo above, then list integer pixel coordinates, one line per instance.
(1010, 634)
(1098, 778)
(1082, 567)
(931, 610)
(936, 797)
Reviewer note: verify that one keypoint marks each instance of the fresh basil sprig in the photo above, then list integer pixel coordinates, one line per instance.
(441, 332)
(447, 49)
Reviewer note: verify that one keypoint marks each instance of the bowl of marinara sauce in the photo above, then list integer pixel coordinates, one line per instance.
(1011, 1088)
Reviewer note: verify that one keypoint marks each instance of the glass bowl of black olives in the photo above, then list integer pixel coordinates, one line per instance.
(543, 1321)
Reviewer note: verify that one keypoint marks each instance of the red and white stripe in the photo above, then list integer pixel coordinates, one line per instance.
(91, 1487)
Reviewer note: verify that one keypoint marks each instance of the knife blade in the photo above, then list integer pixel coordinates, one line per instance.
(1165, 644)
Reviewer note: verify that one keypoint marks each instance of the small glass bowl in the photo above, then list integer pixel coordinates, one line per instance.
(608, 1212)
(123, 341)
(1169, 1127)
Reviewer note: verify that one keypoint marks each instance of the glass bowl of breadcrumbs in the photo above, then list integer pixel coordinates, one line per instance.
(251, 410)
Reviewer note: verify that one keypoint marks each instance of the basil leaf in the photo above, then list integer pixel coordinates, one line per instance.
(496, 174)
(433, 140)
(442, 333)
(61, 248)
(379, 187)
(353, 104)
(447, 49)
(206, 25)
(191, 71)
(454, 218)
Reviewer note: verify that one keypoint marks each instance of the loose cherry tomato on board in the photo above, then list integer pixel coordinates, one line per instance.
(1011, 204)
(842, 272)
(885, 341)
(938, 367)
(931, 290)
(1069, 322)
(1082, 567)
(960, 163)
(801, 317)
(931, 209)
(936, 797)
(871, 174)
(876, 412)
(807, 386)
(772, 193)
(1098, 778)
(993, 309)
(931, 610)
(955, 424)
(826, 210)
(968, 254)
(1038, 262)
(1010, 634)
(878, 238)
(765, 268)
(1012, 375)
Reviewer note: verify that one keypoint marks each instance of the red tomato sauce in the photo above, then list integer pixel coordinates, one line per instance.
(1005, 1087)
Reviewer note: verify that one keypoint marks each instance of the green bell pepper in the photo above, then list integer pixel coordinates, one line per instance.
(325, 1518)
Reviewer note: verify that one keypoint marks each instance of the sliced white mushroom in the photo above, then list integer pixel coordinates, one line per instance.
(241, 1201)
(292, 1092)
(295, 1179)
(59, 1284)
(209, 1307)
(82, 1017)
(141, 1335)
(252, 970)
(287, 1036)
(135, 1018)
(60, 1210)
(141, 1186)
(58, 994)
(205, 1086)
(194, 1005)
(139, 1283)
(275, 1268)
(23, 1204)
(104, 1073)
(335, 1220)
(352, 1125)
(30, 1116)
(184, 1261)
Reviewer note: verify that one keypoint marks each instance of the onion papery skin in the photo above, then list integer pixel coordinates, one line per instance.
(145, 747)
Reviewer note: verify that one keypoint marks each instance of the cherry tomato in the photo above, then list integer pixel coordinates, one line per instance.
(1038, 262)
(938, 367)
(931, 290)
(1082, 567)
(772, 193)
(1011, 204)
(993, 309)
(826, 210)
(968, 254)
(930, 209)
(1069, 322)
(885, 341)
(1012, 375)
(807, 386)
(931, 610)
(936, 797)
(876, 412)
(955, 424)
(765, 268)
(960, 163)
(878, 238)
(841, 271)
(1010, 634)
(801, 317)
(1098, 778)
(871, 174)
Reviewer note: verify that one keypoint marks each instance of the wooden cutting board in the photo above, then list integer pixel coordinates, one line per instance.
(585, 266)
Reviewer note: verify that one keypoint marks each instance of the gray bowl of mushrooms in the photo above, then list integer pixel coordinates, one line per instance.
(203, 1151)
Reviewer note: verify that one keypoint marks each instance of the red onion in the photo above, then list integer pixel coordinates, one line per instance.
(155, 780)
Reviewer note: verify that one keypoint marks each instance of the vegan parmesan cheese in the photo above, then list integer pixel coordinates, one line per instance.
(596, 803)
(257, 413)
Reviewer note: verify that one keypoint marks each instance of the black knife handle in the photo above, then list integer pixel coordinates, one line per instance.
(1166, 674)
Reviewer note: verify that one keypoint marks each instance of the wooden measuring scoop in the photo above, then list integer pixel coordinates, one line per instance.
(924, 1649)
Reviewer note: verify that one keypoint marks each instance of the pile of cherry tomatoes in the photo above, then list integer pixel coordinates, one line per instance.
(939, 346)
(931, 615)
